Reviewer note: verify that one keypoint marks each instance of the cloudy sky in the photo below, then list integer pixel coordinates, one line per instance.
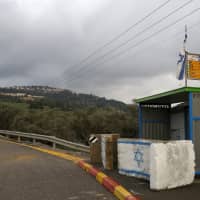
(45, 42)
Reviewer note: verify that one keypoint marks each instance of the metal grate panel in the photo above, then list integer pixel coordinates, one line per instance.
(196, 140)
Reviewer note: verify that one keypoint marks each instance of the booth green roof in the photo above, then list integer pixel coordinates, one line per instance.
(173, 96)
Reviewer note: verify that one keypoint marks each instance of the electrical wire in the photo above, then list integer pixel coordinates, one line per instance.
(133, 37)
(145, 39)
(84, 67)
(121, 34)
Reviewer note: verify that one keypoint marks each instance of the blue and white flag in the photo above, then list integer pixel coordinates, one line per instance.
(181, 65)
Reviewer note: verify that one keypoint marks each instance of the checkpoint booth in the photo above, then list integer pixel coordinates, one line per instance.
(172, 115)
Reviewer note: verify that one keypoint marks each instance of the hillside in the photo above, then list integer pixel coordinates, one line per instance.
(63, 113)
(41, 96)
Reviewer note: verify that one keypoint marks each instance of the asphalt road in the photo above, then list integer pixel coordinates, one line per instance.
(141, 188)
(26, 174)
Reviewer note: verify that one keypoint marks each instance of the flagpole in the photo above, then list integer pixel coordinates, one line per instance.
(186, 60)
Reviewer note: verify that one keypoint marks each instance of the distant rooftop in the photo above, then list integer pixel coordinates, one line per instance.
(172, 96)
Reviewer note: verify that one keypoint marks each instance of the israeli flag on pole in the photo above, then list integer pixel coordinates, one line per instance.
(181, 65)
(182, 59)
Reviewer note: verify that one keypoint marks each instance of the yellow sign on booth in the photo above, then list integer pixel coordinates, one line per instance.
(193, 66)
(194, 70)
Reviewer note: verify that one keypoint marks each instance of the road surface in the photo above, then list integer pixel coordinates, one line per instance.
(26, 174)
(142, 188)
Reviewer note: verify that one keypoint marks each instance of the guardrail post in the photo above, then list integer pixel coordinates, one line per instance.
(7, 136)
(54, 145)
(34, 141)
(18, 139)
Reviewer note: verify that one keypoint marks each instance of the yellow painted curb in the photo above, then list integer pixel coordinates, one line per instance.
(100, 176)
(121, 193)
(87, 166)
(51, 152)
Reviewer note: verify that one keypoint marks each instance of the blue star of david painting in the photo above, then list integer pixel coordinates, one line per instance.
(138, 157)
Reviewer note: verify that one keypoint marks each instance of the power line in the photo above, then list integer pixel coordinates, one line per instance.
(121, 34)
(159, 31)
(145, 39)
(133, 38)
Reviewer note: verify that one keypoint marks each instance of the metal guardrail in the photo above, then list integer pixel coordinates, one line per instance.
(52, 139)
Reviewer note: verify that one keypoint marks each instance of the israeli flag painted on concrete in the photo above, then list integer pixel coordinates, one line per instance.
(181, 65)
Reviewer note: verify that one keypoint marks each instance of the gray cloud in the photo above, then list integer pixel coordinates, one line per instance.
(40, 41)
